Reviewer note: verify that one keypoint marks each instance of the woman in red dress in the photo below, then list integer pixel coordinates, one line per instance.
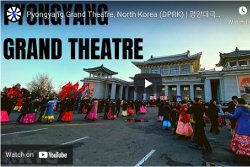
(92, 114)
(67, 115)
(131, 108)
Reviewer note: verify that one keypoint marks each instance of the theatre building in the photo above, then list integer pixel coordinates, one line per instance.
(103, 85)
(232, 80)
(181, 77)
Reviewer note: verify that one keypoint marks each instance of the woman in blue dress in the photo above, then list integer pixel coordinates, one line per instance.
(49, 113)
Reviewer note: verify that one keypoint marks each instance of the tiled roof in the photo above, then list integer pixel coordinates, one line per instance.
(235, 54)
(170, 58)
(100, 68)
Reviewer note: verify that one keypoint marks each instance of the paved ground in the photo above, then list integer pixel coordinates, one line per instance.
(118, 142)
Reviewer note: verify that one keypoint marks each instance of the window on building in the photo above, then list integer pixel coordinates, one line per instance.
(164, 79)
(242, 63)
(164, 71)
(173, 88)
(233, 64)
(198, 88)
(185, 69)
(186, 88)
(154, 71)
(174, 70)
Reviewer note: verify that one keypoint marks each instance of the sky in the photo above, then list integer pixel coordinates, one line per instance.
(161, 37)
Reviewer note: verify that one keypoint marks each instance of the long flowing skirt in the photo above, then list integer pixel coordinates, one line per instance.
(130, 111)
(110, 115)
(4, 116)
(49, 115)
(28, 118)
(240, 145)
(92, 116)
(142, 110)
(124, 113)
(184, 128)
(67, 116)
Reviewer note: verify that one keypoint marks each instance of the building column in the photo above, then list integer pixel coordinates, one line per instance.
(166, 90)
(106, 93)
(178, 90)
(144, 96)
(238, 86)
(155, 94)
(135, 94)
(208, 93)
(113, 89)
(221, 89)
(126, 92)
(191, 89)
(120, 91)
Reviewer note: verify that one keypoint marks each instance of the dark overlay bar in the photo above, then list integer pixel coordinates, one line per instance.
(36, 155)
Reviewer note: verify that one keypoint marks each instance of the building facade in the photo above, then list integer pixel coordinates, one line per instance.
(181, 77)
(232, 80)
(105, 86)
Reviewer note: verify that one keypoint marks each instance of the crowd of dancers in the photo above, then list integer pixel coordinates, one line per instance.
(188, 119)
(47, 106)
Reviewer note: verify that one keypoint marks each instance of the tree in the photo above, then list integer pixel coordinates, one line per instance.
(41, 85)
(4, 91)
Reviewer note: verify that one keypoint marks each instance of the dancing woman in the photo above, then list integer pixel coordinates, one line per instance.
(49, 113)
(240, 144)
(124, 108)
(92, 114)
(130, 108)
(109, 112)
(184, 127)
(67, 115)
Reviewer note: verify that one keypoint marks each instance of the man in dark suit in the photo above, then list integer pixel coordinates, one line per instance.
(231, 109)
(198, 110)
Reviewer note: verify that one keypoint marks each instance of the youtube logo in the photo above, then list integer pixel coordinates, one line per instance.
(148, 83)
(43, 154)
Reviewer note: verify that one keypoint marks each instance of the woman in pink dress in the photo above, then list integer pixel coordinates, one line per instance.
(184, 127)
(92, 114)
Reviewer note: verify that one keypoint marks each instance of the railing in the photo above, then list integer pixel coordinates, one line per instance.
(236, 68)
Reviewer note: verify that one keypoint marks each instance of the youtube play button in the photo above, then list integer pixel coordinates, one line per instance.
(148, 83)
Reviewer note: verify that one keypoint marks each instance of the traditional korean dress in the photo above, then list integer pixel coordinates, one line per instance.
(184, 126)
(124, 109)
(92, 115)
(49, 113)
(111, 112)
(67, 115)
(142, 109)
(130, 110)
(240, 144)
(4, 116)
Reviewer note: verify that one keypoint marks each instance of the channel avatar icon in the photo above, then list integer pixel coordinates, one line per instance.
(14, 14)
